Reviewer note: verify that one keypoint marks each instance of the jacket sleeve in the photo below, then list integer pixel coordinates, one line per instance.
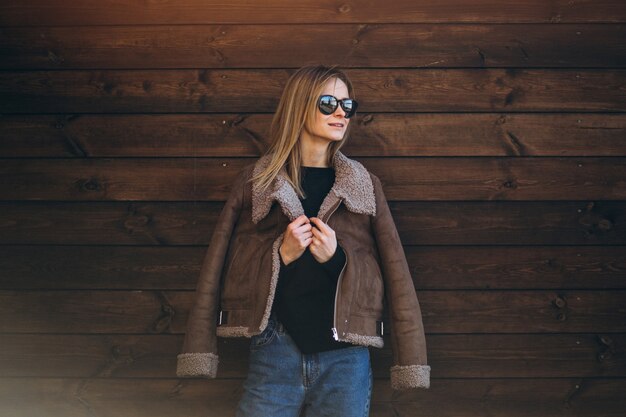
(408, 342)
(199, 352)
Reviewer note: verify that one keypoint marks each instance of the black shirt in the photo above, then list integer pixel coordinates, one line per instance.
(305, 293)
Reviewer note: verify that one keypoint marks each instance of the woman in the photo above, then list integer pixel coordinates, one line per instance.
(304, 255)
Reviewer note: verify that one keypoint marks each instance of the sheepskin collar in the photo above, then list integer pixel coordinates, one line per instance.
(353, 186)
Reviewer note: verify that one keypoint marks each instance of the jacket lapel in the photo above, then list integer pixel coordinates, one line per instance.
(353, 186)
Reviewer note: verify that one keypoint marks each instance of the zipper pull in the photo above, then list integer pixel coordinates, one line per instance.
(335, 334)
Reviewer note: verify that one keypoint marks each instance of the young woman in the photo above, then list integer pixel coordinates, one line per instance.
(303, 259)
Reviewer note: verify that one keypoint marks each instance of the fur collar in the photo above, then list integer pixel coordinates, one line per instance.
(353, 186)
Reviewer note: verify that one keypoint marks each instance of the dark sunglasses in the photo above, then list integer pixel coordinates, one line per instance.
(328, 104)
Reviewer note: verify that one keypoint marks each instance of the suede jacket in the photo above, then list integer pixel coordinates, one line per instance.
(240, 271)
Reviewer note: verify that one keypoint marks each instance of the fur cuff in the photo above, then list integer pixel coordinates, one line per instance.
(197, 364)
(410, 376)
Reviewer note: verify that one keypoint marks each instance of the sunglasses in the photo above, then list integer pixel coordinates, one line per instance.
(328, 104)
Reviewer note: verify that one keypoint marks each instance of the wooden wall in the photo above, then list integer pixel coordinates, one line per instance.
(497, 128)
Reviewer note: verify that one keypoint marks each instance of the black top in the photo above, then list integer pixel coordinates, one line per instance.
(305, 293)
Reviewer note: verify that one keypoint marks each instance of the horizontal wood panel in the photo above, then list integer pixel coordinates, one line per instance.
(408, 179)
(380, 90)
(271, 46)
(108, 12)
(114, 397)
(450, 311)
(433, 267)
(123, 126)
(450, 356)
(372, 134)
(418, 223)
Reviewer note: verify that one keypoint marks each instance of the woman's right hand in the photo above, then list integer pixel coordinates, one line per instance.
(296, 238)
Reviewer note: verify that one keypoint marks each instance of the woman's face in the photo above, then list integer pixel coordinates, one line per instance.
(331, 127)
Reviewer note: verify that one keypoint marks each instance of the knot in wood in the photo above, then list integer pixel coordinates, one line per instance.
(560, 302)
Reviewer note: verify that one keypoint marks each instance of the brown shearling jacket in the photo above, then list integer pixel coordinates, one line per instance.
(240, 271)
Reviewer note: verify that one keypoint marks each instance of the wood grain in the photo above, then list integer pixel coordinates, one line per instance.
(372, 134)
(354, 45)
(497, 129)
(380, 90)
(450, 311)
(112, 12)
(406, 179)
(156, 397)
(454, 267)
(472, 356)
(419, 223)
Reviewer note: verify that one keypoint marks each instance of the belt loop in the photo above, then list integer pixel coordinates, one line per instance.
(222, 317)
(379, 327)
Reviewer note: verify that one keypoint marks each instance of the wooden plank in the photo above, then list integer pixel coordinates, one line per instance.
(372, 134)
(517, 267)
(271, 46)
(114, 397)
(514, 356)
(407, 179)
(418, 223)
(111, 12)
(258, 90)
(450, 311)
(434, 267)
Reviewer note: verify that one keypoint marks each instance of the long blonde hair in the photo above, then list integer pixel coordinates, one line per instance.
(297, 108)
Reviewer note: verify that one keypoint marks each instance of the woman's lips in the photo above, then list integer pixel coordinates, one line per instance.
(335, 125)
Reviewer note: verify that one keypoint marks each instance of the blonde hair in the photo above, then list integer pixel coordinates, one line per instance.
(296, 109)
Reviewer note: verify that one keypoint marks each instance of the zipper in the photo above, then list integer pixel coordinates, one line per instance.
(335, 333)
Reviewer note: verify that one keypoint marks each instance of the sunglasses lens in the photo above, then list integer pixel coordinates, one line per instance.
(349, 106)
(327, 104)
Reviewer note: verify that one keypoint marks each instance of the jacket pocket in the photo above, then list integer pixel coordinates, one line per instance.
(240, 273)
(370, 288)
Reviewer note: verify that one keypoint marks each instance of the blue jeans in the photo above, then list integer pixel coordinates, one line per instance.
(283, 382)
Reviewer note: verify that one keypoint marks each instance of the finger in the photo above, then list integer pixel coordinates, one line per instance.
(316, 232)
(304, 228)
(323, 229)
(300, 220)
(320, 238)
(320, 224)
(297, 228)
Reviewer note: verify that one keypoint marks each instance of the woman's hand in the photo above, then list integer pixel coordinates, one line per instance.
(324, 242)
(296, 238)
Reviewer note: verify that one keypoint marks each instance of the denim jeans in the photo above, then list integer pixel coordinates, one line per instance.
(284, 382)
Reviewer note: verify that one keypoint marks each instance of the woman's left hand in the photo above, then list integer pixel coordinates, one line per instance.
(324, 241)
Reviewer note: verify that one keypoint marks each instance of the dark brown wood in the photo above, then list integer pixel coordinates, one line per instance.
(517, 267)
(272, 46)
(515, 356)
(380, 90)
(100, 267)
(111, 12)
(433, 267)
(496, 128)
(418, 223)
(372, 134)
(114, 397)
(407, 179)
(475, 311)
